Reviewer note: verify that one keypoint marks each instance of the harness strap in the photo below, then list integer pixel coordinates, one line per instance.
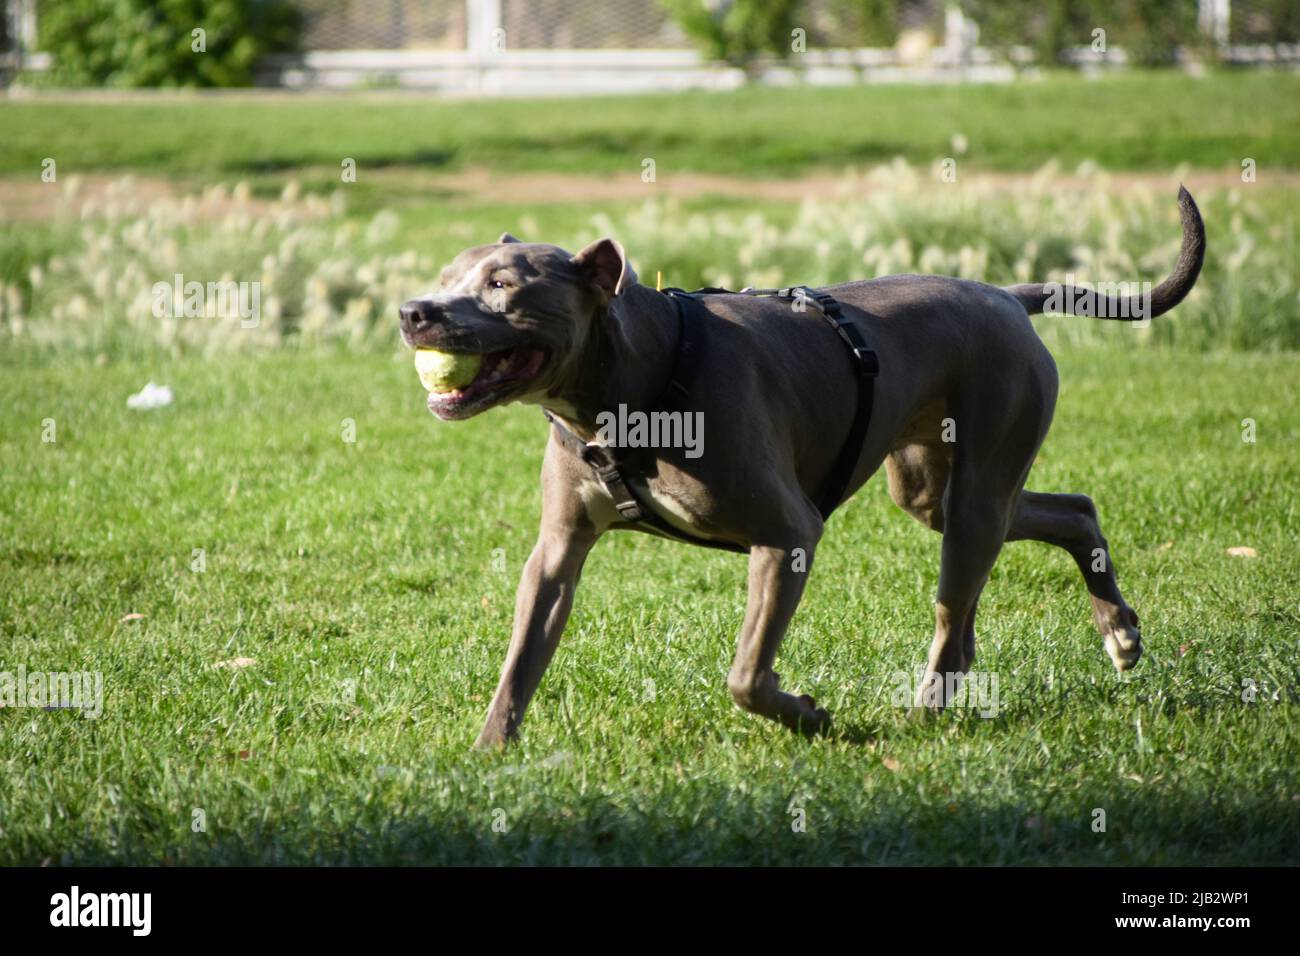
(690, 336)
(867, 366)
(604, 460)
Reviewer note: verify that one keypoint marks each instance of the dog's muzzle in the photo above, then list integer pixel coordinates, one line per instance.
(419, 316)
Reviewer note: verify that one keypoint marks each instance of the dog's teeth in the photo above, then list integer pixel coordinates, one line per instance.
(498, 369)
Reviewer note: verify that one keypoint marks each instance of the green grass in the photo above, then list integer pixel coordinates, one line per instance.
(373, 581)
(1134, 121)
(370, 567)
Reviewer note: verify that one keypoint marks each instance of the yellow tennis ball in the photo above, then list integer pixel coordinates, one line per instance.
(446, 371)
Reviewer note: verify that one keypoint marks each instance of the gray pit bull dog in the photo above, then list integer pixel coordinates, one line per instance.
(577, 335)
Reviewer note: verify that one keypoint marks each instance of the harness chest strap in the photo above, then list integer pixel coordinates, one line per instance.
(690, 343)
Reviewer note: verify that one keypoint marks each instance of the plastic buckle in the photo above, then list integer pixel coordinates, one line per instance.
(868, 363)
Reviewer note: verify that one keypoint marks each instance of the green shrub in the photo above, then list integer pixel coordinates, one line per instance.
(1048, 28)
(738, 31)
(868, 23)
(1152, 30)
(134, 43)
(1149, 31)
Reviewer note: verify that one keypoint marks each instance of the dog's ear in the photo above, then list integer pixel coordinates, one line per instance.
(506, 237)
(605, 265)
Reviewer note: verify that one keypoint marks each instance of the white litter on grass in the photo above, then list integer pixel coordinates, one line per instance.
(151, 396)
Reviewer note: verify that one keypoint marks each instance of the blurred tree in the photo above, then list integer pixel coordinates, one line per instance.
(1047, 27)
(868, 23)
(1149, 31)
(1152, 30)
(132, 43)
(737, 31)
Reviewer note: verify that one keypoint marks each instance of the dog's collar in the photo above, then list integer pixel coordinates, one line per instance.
(691, 342)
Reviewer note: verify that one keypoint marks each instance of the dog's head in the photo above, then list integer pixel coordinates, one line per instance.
(526, 309)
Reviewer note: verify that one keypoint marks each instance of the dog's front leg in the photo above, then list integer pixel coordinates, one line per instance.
(776, 582)
(542, 607)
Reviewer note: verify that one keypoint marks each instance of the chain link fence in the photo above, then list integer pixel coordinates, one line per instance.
(644, 24)
(583, 24)
(1264, 21)
(608, 25)
(384, 25)
(577, 45)
(17, 35)
(830, 24)
(1149, 32)
(527, 25)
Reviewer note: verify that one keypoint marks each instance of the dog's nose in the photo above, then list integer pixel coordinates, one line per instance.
(418, 313)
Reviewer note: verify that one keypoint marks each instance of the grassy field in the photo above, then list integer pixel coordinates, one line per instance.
(372, 584)
(369, 583)
(1130, 121)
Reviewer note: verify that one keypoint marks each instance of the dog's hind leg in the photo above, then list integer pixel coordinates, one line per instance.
(918, 478)
(1070, 522)
(974, 528)
(990, 462)
(778, 570)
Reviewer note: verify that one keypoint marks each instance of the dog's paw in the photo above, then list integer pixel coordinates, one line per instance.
(1123, 640)
(935, 691)
(812, 720)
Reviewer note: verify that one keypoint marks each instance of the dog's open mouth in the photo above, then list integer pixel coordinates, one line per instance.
(500, 373)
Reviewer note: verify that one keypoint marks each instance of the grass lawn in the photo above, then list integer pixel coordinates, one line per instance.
(1135, 120)
(372, 583)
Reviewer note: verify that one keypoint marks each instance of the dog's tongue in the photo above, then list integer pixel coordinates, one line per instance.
(507, 363)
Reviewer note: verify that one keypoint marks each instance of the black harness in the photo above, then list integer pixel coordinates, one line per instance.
(692, 339)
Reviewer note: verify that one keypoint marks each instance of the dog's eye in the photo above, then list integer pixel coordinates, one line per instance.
(498, 284)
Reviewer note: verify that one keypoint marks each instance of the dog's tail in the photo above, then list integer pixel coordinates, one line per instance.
(1057, 298)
